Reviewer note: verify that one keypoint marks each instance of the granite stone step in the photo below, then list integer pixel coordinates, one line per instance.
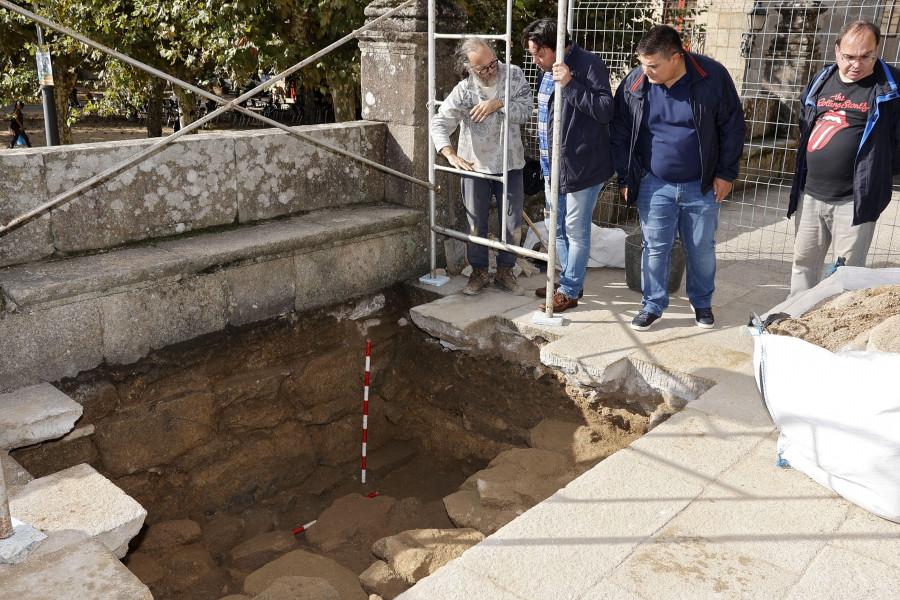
(63, 568)
(34, 414)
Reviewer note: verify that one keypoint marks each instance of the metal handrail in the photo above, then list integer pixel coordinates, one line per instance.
(226, 105)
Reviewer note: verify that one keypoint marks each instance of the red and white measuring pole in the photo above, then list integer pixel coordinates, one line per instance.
(304, 527)
(366, 409)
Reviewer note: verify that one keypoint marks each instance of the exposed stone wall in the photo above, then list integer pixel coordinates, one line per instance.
(195, 183)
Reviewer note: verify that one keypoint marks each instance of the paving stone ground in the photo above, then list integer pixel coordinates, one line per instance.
(696, 508)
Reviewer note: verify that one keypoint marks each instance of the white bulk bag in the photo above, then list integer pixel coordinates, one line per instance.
(838, 413)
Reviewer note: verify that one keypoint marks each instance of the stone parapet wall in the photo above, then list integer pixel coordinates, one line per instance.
(63, 317)
(197, 182)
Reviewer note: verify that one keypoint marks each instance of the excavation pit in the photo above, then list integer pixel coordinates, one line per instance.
(233, 440)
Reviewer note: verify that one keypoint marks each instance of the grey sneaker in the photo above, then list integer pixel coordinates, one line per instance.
(505, 279)
(477, 280)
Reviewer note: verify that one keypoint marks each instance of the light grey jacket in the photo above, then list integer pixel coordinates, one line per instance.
(481, 143)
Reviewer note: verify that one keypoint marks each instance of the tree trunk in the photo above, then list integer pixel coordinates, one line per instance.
(187, 106)
(344, 94)
(155, 90)
(309, 106)
(64, 82)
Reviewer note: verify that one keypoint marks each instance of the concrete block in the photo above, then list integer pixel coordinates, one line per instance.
(22, 188)
(580, 534)
(339, 273)
(84, 570)
(736, 398)
(864, 533)
(16, 475)
(837, 573)
(80, 498)
(453, 582)
(594, 354)
(758, 512)
(138, 321)
(260, 291)
(188, 185)
(465, 321)
(21, 544)
(697, 447)
(282, 174)
(46, 345)
(34, 414)
(88, 276)
(606, 590)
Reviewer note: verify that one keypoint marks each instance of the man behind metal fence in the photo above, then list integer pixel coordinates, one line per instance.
(475, 106)
(847, 154)
(678, 135)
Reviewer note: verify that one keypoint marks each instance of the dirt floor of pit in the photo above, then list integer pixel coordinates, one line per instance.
(263, 424)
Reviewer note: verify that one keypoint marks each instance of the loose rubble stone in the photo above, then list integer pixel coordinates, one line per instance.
(299, 588)
(418, 553)
(306, 564)
(513, 482)
(144, 567)
(380, 579)
(348, 528)
(221, 533)
(262, 549)
(170, 534)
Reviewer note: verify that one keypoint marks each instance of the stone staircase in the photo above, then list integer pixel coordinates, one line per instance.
(70, 528)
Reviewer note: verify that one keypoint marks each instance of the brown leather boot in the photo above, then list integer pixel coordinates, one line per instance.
(507, 280)
(477, 280)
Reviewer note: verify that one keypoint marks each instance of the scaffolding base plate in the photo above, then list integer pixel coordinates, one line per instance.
(437, 281)
(541, 318)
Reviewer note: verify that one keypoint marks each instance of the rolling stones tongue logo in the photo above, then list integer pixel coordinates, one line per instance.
(830, 123)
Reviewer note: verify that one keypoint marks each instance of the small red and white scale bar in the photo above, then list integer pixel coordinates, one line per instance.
(304, 527)
(366, 409)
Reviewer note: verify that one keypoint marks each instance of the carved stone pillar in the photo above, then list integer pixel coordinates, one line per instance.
(394, 79)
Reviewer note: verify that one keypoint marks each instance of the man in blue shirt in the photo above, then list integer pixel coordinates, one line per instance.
(585, 154)
(678, 135)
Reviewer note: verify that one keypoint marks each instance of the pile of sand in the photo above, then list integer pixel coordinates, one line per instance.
(844, 320)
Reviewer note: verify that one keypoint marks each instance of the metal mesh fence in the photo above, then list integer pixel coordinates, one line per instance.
(771, 59)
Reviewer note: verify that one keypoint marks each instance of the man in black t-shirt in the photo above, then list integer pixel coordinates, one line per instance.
(847, 154)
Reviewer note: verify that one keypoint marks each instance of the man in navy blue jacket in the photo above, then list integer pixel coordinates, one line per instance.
(678, 135)
(585, 155)
(848, 151)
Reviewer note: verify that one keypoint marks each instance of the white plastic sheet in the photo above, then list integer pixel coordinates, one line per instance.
(607, 245)
(838, 413)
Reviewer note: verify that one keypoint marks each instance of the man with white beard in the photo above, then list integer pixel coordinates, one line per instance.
(476, 107)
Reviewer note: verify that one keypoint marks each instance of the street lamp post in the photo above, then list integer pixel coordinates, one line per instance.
(45, 75)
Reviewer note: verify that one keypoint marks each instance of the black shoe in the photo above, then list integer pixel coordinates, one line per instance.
(643, 320)
(705, 318)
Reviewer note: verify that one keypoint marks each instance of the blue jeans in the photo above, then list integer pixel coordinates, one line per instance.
(477, 195)
(666, 208)
(573, 235)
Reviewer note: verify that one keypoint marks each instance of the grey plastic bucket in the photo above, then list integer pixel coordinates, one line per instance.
(634, 247)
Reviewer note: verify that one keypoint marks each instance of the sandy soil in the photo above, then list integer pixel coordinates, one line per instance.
(840, 320)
